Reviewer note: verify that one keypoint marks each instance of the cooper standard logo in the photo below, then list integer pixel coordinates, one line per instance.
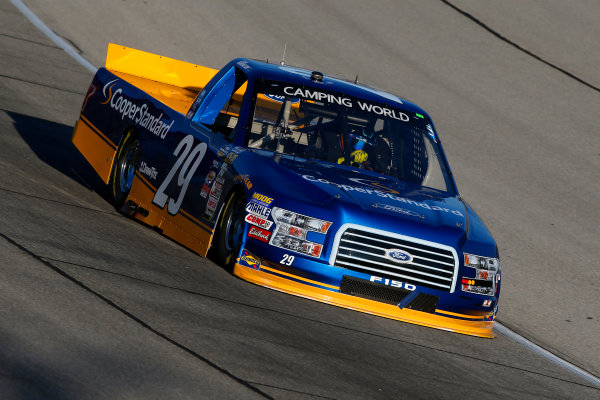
(140, 115)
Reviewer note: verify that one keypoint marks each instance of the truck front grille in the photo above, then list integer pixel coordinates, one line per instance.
(365, 250)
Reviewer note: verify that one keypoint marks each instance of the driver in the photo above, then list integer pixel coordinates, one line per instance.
(369, 149)
(361, 139)
(360, 147)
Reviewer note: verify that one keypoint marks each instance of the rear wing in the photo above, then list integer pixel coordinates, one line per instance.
(157, 68)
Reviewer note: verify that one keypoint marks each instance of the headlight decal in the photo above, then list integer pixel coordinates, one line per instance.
(485, 280)
(291, 230)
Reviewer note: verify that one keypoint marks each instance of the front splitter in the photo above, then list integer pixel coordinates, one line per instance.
(454, 322)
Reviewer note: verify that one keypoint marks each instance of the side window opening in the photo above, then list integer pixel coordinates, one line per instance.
(220, 110)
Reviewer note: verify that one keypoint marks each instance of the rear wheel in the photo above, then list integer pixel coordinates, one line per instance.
(231, 231)
(123, 171)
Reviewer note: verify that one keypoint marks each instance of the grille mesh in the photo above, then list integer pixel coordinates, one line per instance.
(424, 302)
(365, 251)
(385, 294)
(372, 291)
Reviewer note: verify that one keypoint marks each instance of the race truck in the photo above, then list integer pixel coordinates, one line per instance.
(296, 181)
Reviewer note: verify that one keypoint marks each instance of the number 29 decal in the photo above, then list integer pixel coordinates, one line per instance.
(287, 259)
(191, 159)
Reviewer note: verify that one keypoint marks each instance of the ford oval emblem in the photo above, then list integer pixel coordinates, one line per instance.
(399, 256)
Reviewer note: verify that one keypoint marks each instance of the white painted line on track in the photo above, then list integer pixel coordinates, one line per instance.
(498, 327)
(53, 36)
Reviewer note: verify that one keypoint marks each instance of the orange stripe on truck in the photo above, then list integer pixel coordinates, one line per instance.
(184, 229)
(95, 147)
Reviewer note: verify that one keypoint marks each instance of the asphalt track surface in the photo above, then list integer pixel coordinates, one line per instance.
(93, 305)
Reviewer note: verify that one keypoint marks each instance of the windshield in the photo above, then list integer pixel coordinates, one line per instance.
(316, 124)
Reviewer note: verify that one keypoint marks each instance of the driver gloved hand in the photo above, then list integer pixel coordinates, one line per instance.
(357, 156)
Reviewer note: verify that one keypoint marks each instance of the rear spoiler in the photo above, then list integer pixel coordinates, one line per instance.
(157, 68)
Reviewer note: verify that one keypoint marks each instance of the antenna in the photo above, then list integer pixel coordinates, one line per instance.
(356, 79)
(283, 57)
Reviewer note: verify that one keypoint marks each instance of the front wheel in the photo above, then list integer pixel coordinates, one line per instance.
(123, 171)
(231, 231)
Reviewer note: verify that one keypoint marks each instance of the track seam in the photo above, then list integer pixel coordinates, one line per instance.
(29, 40)
(40, 84)
(516, 46)
(136, 319)
(60, 202)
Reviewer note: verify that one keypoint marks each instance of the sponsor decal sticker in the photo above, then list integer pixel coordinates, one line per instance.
(231, 157)
(211, 206)
(213, 198)
(259, 233)
(262, 199)
(223, 150)
(222, 170)
(258, 221)
(399, 256)
(345, 101)
(381, 192)
(210, 177)
(205, 190)
(91, 91)
(491, 315)
(135, 112)
(246, 180)
(150, 172)
(255, 208)
(487, 303)
(216, 189)
(395, 209)
(243, 64)
(248, 260)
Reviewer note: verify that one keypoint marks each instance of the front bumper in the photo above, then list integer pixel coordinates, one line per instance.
(262, 274)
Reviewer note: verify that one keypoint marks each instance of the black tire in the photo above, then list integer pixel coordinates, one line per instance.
(123, 170)
(230, 233)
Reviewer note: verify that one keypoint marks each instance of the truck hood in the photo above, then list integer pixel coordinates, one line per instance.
(322, 183)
